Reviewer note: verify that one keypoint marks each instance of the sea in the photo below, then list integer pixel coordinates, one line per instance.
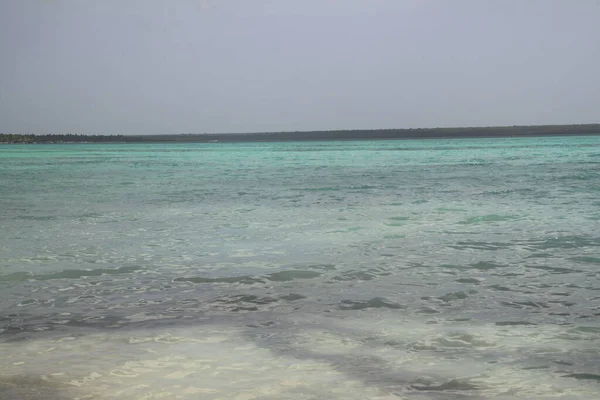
(443, 269)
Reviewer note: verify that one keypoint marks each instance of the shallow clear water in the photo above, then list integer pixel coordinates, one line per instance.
(440, 269)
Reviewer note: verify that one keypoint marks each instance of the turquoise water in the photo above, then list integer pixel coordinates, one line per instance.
(439, 269)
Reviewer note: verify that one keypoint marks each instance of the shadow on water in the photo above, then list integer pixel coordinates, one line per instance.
(359, 364)
(282, 336)
(266, 316)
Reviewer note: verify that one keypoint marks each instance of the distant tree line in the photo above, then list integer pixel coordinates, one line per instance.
(60, 138)
(421, 133)
(359, 134)
(11, 138)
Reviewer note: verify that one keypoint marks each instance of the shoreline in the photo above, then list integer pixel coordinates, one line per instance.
(305, 136)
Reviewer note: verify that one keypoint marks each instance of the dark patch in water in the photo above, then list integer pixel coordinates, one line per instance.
(553, 270)
(68, 274)
(540, 255)
(16, 277)
(500, 288)
(477, 245)
(323, 267)
(566, 242)
(586, 259)
(282, 276)
(394, 236)
(486, 219)
(292, 297)
(521, 304)
(485, 265)
(245, 302)
(285, 276)
(375, 302)
(561, 362)
(265, 324)
(589, 377)
(246, 298)
(320, 189)
(450, 266)
(354, 276)
(563, 303)
(454, 385)
(427, 310)
(507, 274)
(399, 218)
(362, 187)
(588, 329)
(453, 296)
(244, 280)
(37, 217)
(514, 323)
(446, 209)
(536, 367)
(24, 387)
(560, 294)
(468, 280)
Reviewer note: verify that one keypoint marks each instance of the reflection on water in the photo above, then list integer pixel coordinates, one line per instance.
(343, 270)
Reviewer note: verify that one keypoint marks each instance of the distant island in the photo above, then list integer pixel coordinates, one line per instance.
(358, 134)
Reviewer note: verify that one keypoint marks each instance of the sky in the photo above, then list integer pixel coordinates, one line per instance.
(208, 66)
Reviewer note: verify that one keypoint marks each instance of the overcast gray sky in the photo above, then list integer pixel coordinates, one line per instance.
(183, 66)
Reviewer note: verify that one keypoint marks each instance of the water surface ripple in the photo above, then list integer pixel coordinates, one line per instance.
(439, 269)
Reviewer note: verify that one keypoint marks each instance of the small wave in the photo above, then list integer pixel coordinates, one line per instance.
(447, 209)
(362, 187)
(37, 217)
(32, 387)
(284, 276)
(375, 302)
(486, 219)
(586, 259)
(244, 279)
(469, 280)
(540, 255)
(565, 242)
(449, 297)
(347, 230)
(523, 304)
(478, 245)
(281, 276)
(563, 303)
(514, 323)
(500, 288)
(246, 298)
(67, 274)
(394, 236)
(486, 265)
(588, 329)
(503, 192)
(554, 270)
(354, 276)
(292, 297)
(402, 218)
(584, 376)
(427, 310)
(452, 385)
(319, 189)
(243, 302)
(461, 340)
